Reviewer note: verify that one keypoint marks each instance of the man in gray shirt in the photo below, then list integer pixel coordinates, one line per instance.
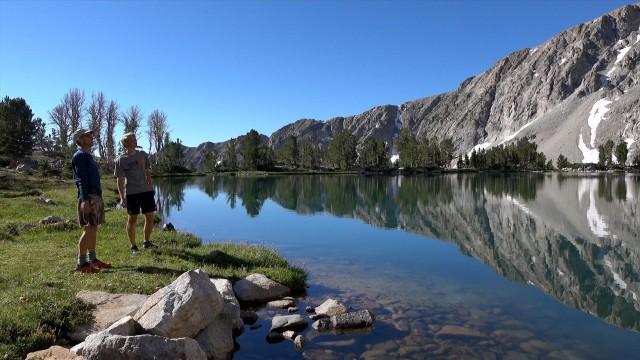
(133, 175)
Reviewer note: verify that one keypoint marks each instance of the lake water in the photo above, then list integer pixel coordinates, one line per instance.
(452, 266)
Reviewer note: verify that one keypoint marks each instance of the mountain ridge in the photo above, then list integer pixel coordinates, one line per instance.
(561, 93)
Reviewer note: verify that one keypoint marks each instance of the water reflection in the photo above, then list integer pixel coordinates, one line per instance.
(574, 237)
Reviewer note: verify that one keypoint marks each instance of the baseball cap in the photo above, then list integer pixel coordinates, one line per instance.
(80, 133)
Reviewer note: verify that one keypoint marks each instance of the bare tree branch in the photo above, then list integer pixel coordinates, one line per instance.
(132, 119)
(97, 111)
(157, 129)
(58, 116)
(74, 106)
(111, 120)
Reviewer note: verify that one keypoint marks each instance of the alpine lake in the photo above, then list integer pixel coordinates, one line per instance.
(488, 266)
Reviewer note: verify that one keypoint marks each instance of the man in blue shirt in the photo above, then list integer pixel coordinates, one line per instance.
(90, 205)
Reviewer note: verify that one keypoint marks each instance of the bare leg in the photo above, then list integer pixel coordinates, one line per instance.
(91, 234)
(83, 244)
(131, 229)
(148, 225)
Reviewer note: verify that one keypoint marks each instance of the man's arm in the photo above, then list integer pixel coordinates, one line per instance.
(81, 167)
(120, 183)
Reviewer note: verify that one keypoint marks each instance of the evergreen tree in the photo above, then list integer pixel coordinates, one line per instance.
(17, 128)
(250, 150)
(308, 155)
(289, 153)
(407, 149)
(621, 153)
(211, 160)
(562, 162)
(342, 150)
(230, 156)
(373, 154)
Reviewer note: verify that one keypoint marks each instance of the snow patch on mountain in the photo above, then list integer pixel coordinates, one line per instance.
(479, 147)
(596, 115)
(588, 155)
(512, 136)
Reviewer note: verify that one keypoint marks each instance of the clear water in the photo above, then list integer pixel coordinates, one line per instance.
(452, 266)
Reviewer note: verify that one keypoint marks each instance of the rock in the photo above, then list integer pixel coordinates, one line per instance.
(259, 288)
(292, 310)
(217, 339)
(231, 307)
(309, 309)
(353, 320)
(123, 327)
(52, 219)
(288, 322)
(53, 353)
(274, 337)
(104, 346)
(43, 201)
(299, 342)
(289, 334)
(168, 227)
(318, 316)
(108, 308)
(459, 331)
(331, 307)
(281, 304)
(248, 317)
(183, 308)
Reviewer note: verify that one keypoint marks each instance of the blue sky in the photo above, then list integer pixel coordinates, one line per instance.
(220, 68)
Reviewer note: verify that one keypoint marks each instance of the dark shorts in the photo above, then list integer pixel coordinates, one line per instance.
(96, 216)
(143, 202)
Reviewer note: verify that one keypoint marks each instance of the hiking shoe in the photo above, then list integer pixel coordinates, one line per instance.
(101, 265)
(149, 245)
(87, 268)
(134, 250)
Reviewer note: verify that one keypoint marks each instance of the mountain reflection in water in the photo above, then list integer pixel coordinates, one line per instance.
(573, 237)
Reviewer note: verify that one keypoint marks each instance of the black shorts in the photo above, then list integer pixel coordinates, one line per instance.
(144, 202)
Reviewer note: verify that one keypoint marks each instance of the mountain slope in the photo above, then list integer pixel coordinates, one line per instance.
(571, 93)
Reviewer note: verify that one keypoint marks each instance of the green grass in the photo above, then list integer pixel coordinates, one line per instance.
(37, 278)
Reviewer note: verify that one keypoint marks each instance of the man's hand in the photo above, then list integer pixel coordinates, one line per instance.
(123, 203)
(85, 206)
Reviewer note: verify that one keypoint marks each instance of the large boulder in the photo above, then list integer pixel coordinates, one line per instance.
(217, 339)
(104, 346)
(108, 308)
(53, 353)
(231, 308)
(259, 288)
(124, 327)
(183, 308)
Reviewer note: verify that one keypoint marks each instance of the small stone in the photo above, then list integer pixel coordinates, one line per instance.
(322, 324)
(289, 334)
(52, 219)
(318, 316)
(299, 342)
(292, 310)
(309, 309)
(168, 227)
(281, 304)
(331, 307)
(288, 322)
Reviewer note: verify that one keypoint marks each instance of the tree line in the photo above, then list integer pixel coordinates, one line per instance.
(21, 133)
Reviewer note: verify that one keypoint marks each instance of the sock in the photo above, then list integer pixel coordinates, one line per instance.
(82, 260)
(91, 256)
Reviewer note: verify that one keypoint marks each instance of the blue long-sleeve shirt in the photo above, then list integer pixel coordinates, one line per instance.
(86, 175)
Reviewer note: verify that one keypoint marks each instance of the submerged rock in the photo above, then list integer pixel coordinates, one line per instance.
(259, 288)
(183, 308)
(292, 310)
(248, 317)
(459, 331)
(299, 342)
(353, 320)
(281, 304)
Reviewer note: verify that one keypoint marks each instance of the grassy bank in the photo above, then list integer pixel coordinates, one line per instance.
(37, 278)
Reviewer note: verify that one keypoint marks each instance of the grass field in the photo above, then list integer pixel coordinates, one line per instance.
(37, 262)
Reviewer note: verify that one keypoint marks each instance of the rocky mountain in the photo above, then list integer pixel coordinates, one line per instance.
(570, 94)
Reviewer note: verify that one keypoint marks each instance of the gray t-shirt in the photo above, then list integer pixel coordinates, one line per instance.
(132, 167)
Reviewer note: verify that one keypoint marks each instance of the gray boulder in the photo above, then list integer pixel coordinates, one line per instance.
(183, 308)
(53, 353)
(123, 327)
(104, 346)
(353, 320)
(217, 339)
(107, 309)
(331, 307)
(281, 304)
(231, 308)
(259, 288)
(288, 322)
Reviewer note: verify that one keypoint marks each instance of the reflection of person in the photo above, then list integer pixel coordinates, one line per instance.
(90, 206)
(135, 188)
